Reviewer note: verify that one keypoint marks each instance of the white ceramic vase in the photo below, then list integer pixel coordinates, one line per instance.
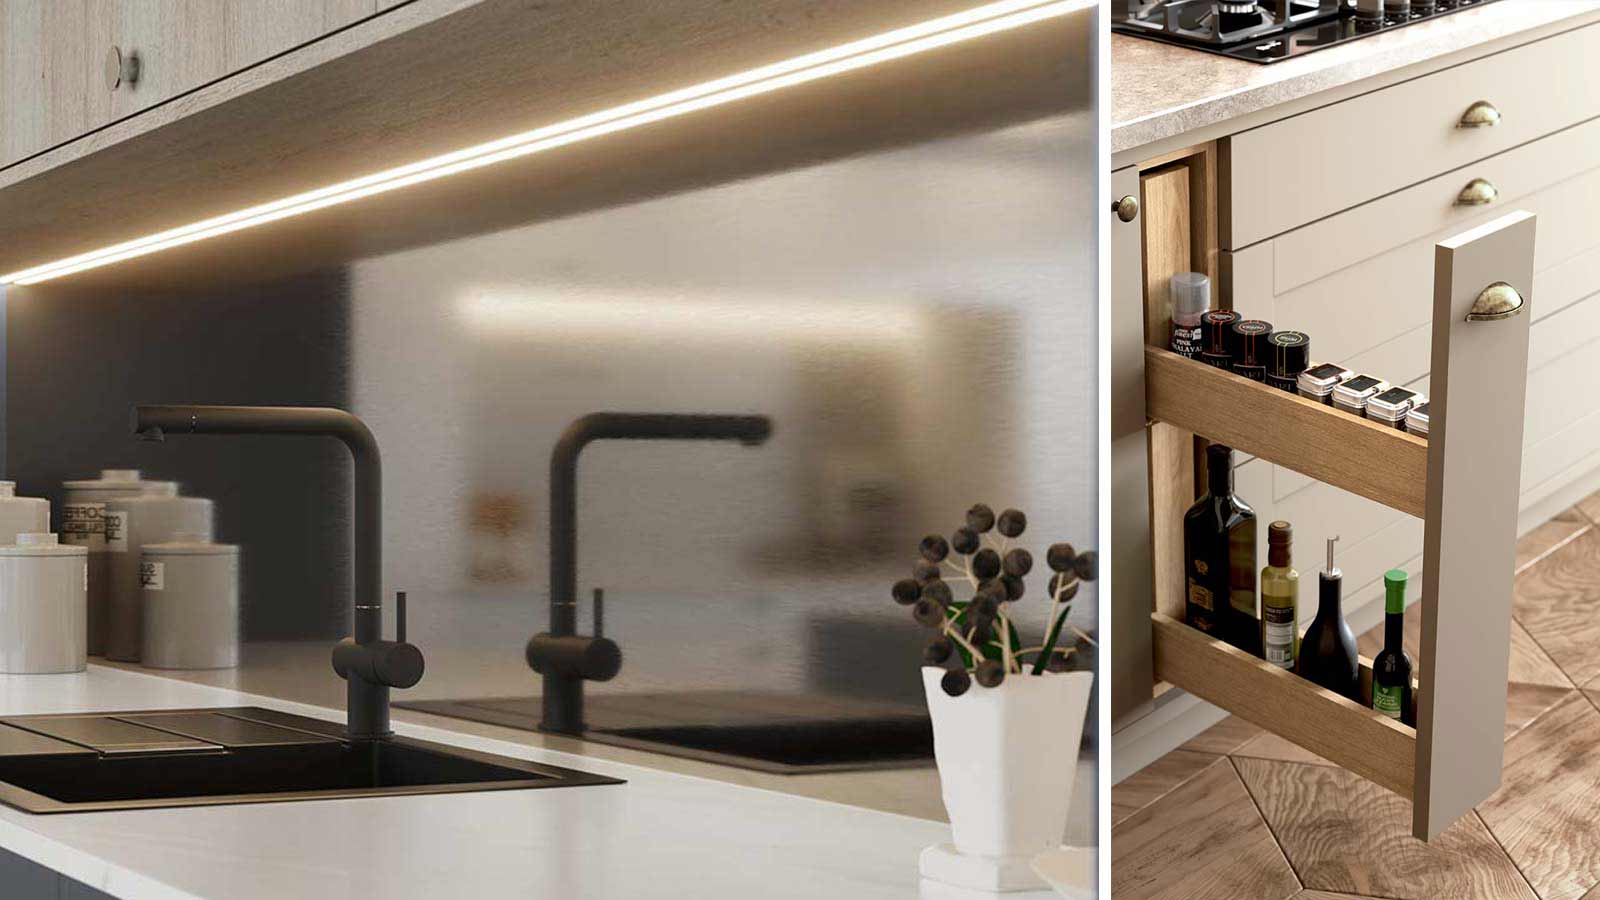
(1006, 756)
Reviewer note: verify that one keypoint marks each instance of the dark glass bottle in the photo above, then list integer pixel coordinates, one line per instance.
(1391, 671)
(1328, 648)
(1219, 550)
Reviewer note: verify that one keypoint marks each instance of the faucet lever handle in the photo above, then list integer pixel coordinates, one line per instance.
(400, 616)
(599, 612)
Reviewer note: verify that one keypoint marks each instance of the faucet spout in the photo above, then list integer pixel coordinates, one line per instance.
(368, 700)
(563, 687)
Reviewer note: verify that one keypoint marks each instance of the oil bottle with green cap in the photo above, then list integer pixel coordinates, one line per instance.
(1391, 670)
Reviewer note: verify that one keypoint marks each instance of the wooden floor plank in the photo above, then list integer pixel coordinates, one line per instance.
(1345, 834)
(1545, 813)
(1529, 663)
(1526, 702)
(1224, 737)
(1589, 507)
(1203, 841)
(1533, 546)
(1325, 895)
(1154, 781)
(1558, 602)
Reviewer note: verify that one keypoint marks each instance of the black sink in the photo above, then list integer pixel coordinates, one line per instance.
(82, 763)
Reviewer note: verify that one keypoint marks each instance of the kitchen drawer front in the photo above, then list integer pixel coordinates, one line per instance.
(1453, 497)
(1303, 168)
(1370, 309)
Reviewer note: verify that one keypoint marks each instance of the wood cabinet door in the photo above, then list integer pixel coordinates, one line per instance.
(50, 75)
(261, 29)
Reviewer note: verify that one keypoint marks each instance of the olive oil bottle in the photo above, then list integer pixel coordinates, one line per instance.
(1219, 550)
(1328, 650)
(1391, 670)
(1280, 599)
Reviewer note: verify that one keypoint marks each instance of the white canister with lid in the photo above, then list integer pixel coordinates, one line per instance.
(83, 509)
(43, 606)
(191, 604)
(130, 524)
(21, 515)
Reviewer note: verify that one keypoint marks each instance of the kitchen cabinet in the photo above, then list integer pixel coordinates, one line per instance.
(73, 66)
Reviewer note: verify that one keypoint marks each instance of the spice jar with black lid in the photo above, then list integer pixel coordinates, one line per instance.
(1216, 344)
(1290, 350)
(1352, 395)
(1250, 348)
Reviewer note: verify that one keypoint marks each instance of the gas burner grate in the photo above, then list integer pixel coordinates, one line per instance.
(1264, 31)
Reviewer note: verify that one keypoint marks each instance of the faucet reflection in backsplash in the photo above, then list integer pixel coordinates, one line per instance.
(564, 658)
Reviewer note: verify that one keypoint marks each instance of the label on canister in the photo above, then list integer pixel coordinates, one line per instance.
(83, 523)
(116, 529)
(153, 576)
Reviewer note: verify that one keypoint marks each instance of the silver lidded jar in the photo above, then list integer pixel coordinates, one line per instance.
(131, 523)
(43, 606)
(190, 604)
(83, 525)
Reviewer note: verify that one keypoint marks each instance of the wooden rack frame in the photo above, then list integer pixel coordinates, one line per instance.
(1463, 481)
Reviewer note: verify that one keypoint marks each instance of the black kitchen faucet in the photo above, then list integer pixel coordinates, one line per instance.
(563, 657)
(368, 663)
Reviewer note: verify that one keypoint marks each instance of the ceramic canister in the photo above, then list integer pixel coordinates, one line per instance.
(191, 604)
(21, 515)
(83, 524)
(43, 606)
(130, 524)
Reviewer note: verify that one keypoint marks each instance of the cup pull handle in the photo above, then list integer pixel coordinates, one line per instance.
(1478, 192)
(1481, 114)
(1495, 302)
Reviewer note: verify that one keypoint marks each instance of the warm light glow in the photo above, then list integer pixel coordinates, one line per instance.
(973, 23)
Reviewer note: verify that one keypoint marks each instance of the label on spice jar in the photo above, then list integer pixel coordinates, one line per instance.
(83, 524)
(1186, 340)
(116, 529)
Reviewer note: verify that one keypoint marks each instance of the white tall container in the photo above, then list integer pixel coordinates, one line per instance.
(191, 604)
(130, 524)
(43, 606)
(21, 515)
(83, 510)
(1007, 756)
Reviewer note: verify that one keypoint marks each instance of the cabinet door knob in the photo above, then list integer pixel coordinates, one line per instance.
(1481, 114)
(1127, 208)
(121, 68)
(1478, 192)
(1495, 302)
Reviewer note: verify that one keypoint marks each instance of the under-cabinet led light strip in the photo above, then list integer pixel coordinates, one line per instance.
(902, 42)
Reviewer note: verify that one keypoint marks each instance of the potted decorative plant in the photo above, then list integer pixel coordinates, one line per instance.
(1007, 717)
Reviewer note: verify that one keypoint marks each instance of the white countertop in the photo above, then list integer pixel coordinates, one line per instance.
(658, 835)
(1159, 91)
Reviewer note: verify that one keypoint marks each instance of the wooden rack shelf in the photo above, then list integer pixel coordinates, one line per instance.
(1344, 450)
(1335, 728)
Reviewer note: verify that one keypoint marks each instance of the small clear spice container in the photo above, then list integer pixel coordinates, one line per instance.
(1391, 407)
(1352, 395)
(1417, 417)
(1319, 381)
